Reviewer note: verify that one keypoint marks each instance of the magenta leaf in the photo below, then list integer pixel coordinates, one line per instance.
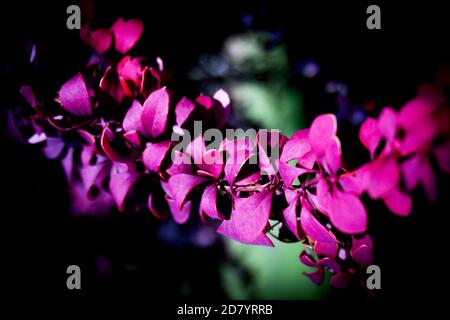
(249, 217)
(115, 147)
(100, 40)
(154, 155)
(370, 135)
(291, 217)
(74, 97)
(398, 202)
(155, 113)
(130, 69)
(383, 175)
(347, 213)
(122, 180)
(180, 215)
(340, 280)
(316, 277)
(388, 123)
(112, 84)
(132, 120)
(296, 148)
(183, 110)
(363, 256)
(208, 203)
(181, 163)
(328, 249)
(28, 94)
(322, 131)
(212, 163)
(313, 228)
(333, 156)
(181, 185)
(126, 33)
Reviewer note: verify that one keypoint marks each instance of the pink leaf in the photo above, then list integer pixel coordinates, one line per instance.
(249, 217)
(180, 215)
(122, 180)
(181, 185)
(155, 113)
(383, 175)
(313, 228)
(388, 123)
(126, 33)
(290, 216)
(322, 131)
(398, 202)
(183, 110)
(208, 204)
(347, 213)
(100, 40)
(154, 155)
(296, 147)
(112, 85)
(370, 135)
(132, 120)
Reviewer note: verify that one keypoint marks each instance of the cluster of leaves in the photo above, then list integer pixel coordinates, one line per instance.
(111, 126)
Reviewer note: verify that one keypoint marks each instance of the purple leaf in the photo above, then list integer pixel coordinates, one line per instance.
(208, 204)
(329, 264)
(196, 148)
(115, 148)
(122, 180)
(132, 120)
(212, 163)
(181, 163)
(340, 280)
(307, 260)
(28, 95)
(362, 255)
(181, 185)
(316, 277)
(239, 152)
(54, 147)
(74, 97)
(180, 215)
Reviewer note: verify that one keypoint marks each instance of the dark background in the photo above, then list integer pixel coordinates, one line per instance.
(385, 66)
